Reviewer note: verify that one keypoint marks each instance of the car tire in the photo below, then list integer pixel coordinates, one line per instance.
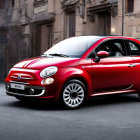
(73, 94)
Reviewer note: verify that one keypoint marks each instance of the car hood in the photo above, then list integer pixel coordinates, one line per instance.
(43, 62)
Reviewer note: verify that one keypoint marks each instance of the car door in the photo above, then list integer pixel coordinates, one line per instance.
(134, 51)
(116, 72)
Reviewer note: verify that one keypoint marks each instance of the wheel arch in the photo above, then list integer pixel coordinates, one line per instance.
(80, 78)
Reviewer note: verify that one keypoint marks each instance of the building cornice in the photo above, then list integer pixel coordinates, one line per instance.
(102, 7)
(107, 6)
(67, 3)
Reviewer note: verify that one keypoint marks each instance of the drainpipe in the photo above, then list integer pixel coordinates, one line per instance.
(122, 17)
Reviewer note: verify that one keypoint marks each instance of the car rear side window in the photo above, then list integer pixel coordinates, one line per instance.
(134, 48)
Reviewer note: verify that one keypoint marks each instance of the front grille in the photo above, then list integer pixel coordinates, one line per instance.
(22, 77)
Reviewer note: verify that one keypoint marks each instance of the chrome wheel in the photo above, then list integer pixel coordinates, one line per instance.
(73, 95)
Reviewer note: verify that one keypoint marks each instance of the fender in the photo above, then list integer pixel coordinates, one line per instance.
(68, 73)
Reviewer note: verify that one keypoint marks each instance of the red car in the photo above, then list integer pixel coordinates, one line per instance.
(78, 68)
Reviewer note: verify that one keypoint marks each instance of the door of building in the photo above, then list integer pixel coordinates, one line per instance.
(46, 37)
(2, 58)
(104, 23)
(71, 24)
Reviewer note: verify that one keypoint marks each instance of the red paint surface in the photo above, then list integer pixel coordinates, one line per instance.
(110, 74)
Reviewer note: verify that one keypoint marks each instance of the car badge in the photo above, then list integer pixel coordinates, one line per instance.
(19, 77)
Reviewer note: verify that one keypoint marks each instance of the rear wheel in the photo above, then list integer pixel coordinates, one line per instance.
(73, 94)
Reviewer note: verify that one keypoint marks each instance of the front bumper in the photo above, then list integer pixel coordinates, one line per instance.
(34, 80)
(38, 91)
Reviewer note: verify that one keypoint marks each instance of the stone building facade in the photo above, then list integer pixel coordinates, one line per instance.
(132, 18)
(30, 27)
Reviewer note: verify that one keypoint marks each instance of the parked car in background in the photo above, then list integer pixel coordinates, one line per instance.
(78, 68)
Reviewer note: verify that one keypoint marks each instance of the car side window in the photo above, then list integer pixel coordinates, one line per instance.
(134, 48)
(115, 48)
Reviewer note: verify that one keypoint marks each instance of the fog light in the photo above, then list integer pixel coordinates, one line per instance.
(31, 92)
(7, 87)
(47, 81)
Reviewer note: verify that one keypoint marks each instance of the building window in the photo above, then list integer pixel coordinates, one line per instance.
(129, 6)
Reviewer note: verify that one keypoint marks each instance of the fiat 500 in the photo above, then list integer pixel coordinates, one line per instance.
(78, 68)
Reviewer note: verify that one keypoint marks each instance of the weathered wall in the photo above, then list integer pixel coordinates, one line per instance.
(131, 20)
(59, 22)
(88, 25)
(25, 20)
(116, 22)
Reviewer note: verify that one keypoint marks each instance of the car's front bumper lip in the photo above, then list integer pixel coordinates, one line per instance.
(25, 94)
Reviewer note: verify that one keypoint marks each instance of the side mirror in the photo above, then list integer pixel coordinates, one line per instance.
(101, 54)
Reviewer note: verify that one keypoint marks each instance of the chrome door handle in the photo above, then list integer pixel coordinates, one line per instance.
(132, 65)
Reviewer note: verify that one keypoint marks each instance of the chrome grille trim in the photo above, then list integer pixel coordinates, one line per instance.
(25, 78)
(13, 77)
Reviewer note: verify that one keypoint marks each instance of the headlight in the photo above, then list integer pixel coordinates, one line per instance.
(49, 71)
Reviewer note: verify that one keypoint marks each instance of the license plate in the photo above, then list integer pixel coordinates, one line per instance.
(18, 86)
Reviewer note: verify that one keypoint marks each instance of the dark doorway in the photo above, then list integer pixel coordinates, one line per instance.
(2, 4)
(129, 6)
(104, 23)
(45, 37)
(71, 24)
(2, 57)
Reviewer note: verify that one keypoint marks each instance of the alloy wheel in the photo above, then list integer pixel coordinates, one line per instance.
(73, 95)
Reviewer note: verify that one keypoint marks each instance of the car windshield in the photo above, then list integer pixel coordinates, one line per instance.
(72, 47)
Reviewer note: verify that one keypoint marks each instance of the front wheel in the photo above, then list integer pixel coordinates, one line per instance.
(73, 94)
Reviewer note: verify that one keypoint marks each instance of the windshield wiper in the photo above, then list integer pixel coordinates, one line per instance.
(57, 54)
(44, 55)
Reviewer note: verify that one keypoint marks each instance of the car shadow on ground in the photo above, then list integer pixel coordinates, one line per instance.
(109, 100)
(92, 102)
